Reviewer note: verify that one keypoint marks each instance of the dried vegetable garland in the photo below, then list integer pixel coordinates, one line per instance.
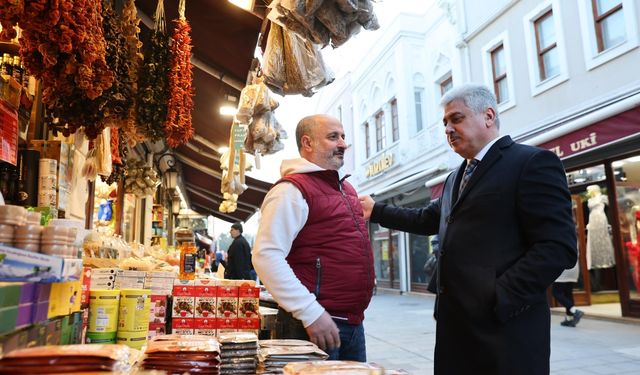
(178, 128)
(118, 98)
(63, 45)
(131, 128)
(153, 81)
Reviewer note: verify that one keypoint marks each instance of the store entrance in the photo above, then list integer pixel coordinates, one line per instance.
(627, 193)
(606, 210)
(386, 258)
(582, 289)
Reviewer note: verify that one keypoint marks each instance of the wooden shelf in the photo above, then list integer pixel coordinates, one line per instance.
(10, 48)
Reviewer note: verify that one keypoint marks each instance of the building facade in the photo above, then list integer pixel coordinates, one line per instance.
(565, 75)
(391, 105)
(566, 78)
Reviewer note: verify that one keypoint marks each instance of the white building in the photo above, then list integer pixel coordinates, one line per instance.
(567, 79)
(389, 103)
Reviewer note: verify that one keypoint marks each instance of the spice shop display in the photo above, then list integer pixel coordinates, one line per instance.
(73, 74)
(238, 352)
(179, 354)
(69, 359)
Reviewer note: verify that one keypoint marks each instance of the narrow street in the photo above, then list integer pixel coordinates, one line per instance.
(401, 331)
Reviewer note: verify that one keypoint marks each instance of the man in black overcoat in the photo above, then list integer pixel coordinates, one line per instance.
(504, 238)
(238, 264)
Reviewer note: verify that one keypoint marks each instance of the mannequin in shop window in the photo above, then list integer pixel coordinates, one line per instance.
(599, 244)
(600, 253)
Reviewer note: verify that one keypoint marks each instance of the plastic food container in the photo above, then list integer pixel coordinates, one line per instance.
(13, 215)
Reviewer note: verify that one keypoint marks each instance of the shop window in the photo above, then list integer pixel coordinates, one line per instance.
(380, 131)
(627, 176)
(446, 84)
(499, 73)
(609, 29)
(395, 128)
(418, 97)
(419, 251)
(545, 47)
(608, 23)
(586, 176)
(498, 70)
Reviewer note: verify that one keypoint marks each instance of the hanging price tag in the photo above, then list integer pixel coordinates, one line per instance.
(239, 132)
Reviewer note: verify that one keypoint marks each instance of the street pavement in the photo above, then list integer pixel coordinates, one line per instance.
(400, 334)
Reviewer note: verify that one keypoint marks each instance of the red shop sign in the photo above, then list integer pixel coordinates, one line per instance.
(596, 135)
(8, 133)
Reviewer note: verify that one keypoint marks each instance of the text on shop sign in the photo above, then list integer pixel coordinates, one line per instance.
(577, 146)
(376, 167)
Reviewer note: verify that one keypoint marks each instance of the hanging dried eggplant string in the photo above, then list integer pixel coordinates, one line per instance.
(153, 80)
(178, 128)
(64, 47)
(118, 98)
(131, 129)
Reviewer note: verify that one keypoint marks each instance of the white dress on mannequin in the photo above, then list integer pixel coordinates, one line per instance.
(599, 244)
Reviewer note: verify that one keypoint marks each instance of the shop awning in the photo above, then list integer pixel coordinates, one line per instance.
(224, 40)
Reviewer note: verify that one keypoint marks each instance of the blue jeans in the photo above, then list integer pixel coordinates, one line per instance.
(352, 344)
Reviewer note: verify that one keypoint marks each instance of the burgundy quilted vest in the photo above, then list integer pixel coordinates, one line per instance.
(332, 254)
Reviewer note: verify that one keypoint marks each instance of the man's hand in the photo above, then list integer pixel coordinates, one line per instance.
(324, 332)
(367, 205)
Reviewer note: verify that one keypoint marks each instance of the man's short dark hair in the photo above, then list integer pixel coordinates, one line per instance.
(237, 226)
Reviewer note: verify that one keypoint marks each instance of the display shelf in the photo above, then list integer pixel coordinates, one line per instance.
(10, 47)
(21, 265)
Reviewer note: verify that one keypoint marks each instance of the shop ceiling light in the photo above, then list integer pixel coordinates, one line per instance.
(175, 205)
(244, 4)
(229, 106)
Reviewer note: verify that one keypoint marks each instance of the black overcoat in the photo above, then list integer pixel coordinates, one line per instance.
(238, 264)
(502, 243)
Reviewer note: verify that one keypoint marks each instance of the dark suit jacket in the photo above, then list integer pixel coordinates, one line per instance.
(238, 264)
(502, 243)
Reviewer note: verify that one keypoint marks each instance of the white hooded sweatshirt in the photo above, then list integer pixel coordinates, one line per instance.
(284, 213)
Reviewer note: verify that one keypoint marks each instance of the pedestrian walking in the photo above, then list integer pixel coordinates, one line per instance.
(238, 264)
(562, 290)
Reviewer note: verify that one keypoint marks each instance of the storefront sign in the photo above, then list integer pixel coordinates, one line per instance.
(596, 135)
(8, 134)
(380, 165)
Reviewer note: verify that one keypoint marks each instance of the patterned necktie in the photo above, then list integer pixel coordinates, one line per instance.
(468, 171)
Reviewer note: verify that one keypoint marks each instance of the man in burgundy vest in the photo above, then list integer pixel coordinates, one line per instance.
(312, 249)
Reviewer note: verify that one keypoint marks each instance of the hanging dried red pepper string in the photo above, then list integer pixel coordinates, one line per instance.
(63, 44)
(178, 128)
